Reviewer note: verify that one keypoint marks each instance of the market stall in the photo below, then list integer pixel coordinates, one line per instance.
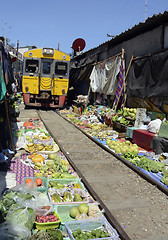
(49, 200)
(135, 145)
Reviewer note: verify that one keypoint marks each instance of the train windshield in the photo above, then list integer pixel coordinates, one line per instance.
(61, 68)
(46, 67)
(31, 66)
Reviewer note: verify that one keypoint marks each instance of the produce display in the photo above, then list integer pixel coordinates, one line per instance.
(49, 234)
(47, 218)
(122, 147)
(94, 126)
(144, 162)
(32, 207)
(85, 211)
(94, 234)
(68, 195)
(53, 166)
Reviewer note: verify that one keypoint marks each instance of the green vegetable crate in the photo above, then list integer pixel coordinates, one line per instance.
(63, 212)
(81, 192)
(48, 225)
(67, 181)
(89, 225)
(43, 188)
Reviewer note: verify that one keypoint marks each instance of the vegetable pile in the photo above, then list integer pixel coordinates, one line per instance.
(96, 233)
(49, 234)
(144, 162)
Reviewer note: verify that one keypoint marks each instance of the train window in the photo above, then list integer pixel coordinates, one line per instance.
(46, 67)
(32, 66)
(61, 68)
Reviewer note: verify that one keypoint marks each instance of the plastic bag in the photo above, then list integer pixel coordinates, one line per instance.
(8, 232)
(154, 126)
(19, 221)
(163, 131)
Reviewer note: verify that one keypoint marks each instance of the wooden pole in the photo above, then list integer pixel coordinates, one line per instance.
(123, 84)
(87, 99)
(9, 126)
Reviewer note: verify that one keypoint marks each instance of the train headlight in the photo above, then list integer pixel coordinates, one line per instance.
(26, 88)
(48, 51)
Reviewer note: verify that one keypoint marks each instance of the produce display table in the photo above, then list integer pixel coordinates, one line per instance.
(143, 138)
(129, 131)
(119, 127)
(159, 145)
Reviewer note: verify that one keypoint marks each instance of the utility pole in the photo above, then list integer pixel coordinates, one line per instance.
(17, 49)
(17, 60)
(145, 8)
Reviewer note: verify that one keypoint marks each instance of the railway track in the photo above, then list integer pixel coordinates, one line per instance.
(135, 207)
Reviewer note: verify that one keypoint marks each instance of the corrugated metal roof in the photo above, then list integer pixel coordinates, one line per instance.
(152, 22)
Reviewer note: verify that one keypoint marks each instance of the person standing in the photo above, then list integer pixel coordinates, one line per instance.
(14, 88)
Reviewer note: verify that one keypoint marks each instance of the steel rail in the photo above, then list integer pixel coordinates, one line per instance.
(122, 234)
(126, 162)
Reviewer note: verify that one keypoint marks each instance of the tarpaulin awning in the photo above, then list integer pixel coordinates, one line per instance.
(148, 76)
(103, 78)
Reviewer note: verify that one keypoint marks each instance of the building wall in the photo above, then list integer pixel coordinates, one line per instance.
(166, 36)
(143, 44)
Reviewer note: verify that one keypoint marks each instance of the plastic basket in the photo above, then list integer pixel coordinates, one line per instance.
(80, 191)
(68, 181)
(49, 225)
(63, 211)
(44, 187)
(89, 225)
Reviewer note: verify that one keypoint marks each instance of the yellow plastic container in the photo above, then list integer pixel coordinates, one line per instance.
(48, 225)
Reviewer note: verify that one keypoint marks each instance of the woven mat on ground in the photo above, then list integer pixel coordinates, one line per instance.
(21, 170)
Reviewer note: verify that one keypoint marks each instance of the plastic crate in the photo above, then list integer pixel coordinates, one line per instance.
(68, 181)
(89, 225)
(48, 225)
(63, 212)
(80, 191)
(39, 188)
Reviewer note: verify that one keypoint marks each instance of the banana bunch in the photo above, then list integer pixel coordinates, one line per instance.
(39, 147)
(30, 147)
(48, 148)
(45, 137)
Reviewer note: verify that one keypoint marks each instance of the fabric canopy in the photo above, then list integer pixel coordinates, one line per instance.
(103, 78)
(148, 76)
(2, 82)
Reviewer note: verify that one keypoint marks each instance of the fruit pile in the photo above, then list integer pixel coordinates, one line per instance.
(54, 173)
(84, 211)
(54, 167)
(122, 147)
(47, 218)
(94, 234)
(31, 183)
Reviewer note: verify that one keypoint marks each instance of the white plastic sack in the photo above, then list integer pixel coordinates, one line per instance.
(154, 126)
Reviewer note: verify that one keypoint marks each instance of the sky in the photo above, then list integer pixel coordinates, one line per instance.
(49, 23)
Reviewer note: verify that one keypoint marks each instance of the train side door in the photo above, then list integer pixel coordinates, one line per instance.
(30, 82)
(46, 75)
(61, 78)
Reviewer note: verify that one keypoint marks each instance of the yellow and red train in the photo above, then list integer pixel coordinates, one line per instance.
(45, 78)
